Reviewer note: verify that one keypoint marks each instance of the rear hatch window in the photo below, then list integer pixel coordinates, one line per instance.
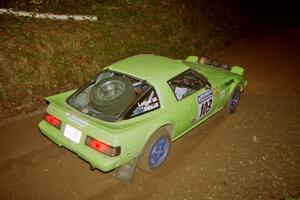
(112, 96)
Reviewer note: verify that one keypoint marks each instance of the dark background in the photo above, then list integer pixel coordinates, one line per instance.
(272, 13)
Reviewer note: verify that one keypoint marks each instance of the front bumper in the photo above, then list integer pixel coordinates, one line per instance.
(96, 159)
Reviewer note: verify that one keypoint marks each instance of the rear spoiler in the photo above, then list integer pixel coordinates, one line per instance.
(206, 61)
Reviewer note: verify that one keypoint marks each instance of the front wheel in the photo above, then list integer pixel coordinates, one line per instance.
(156, 151)
(233, 101)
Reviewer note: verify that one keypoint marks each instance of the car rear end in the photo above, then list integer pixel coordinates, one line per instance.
(94, 142)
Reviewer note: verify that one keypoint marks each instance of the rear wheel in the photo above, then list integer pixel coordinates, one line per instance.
(156, 151)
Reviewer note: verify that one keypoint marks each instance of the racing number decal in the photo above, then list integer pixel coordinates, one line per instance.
(205, 108)
(205, 102)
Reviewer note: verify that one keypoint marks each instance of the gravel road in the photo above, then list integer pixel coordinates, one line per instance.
(252, 154)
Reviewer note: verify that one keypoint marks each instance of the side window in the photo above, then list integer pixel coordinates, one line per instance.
(148, 102)
(186, 84)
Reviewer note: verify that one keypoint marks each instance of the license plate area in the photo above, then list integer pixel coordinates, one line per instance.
(72, 134)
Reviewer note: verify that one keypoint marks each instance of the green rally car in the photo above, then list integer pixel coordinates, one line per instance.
(136, 107)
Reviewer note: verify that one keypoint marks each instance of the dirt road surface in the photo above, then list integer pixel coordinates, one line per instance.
(252, 154)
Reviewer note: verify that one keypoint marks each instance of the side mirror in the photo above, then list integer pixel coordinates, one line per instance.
(207, 86)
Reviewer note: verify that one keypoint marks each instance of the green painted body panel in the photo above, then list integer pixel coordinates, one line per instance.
(132, 134)
(155, 69)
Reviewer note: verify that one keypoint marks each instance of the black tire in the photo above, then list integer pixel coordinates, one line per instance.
(233, 101)
(112, 95)
(151, 158)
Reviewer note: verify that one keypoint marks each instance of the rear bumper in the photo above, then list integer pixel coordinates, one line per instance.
(96, 159)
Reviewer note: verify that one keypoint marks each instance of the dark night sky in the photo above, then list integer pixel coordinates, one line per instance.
(268, 12)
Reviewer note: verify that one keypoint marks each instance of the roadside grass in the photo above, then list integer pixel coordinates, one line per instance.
(39, 58)
(288, 197)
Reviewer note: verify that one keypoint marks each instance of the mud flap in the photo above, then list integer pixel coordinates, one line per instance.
(125, 172)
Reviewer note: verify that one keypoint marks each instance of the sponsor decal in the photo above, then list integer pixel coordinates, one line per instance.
(205, 102)
(81, 123)
(222, 94)
(149, 103)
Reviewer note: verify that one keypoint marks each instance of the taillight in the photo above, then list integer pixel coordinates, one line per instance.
(53, 120)
(102, 147)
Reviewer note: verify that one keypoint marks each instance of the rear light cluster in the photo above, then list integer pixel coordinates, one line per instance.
(102, 147)
(53, 120)
(91, 142)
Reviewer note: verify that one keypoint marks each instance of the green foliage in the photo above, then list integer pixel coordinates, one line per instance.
(36, 5)
(44, 57)
(288, 197)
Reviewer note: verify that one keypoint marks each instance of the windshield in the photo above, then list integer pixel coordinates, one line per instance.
(110, 96)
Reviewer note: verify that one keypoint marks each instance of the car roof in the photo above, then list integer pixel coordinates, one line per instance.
(155, 69)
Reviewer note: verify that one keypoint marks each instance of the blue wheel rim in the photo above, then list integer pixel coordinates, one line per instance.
(159, 152)
(234, 100)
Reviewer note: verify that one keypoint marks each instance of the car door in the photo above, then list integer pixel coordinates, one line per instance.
(195, 99)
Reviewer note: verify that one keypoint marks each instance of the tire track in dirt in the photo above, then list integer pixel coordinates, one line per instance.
(31, 159)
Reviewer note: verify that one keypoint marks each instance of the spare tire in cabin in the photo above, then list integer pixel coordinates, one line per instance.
(112, 95)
